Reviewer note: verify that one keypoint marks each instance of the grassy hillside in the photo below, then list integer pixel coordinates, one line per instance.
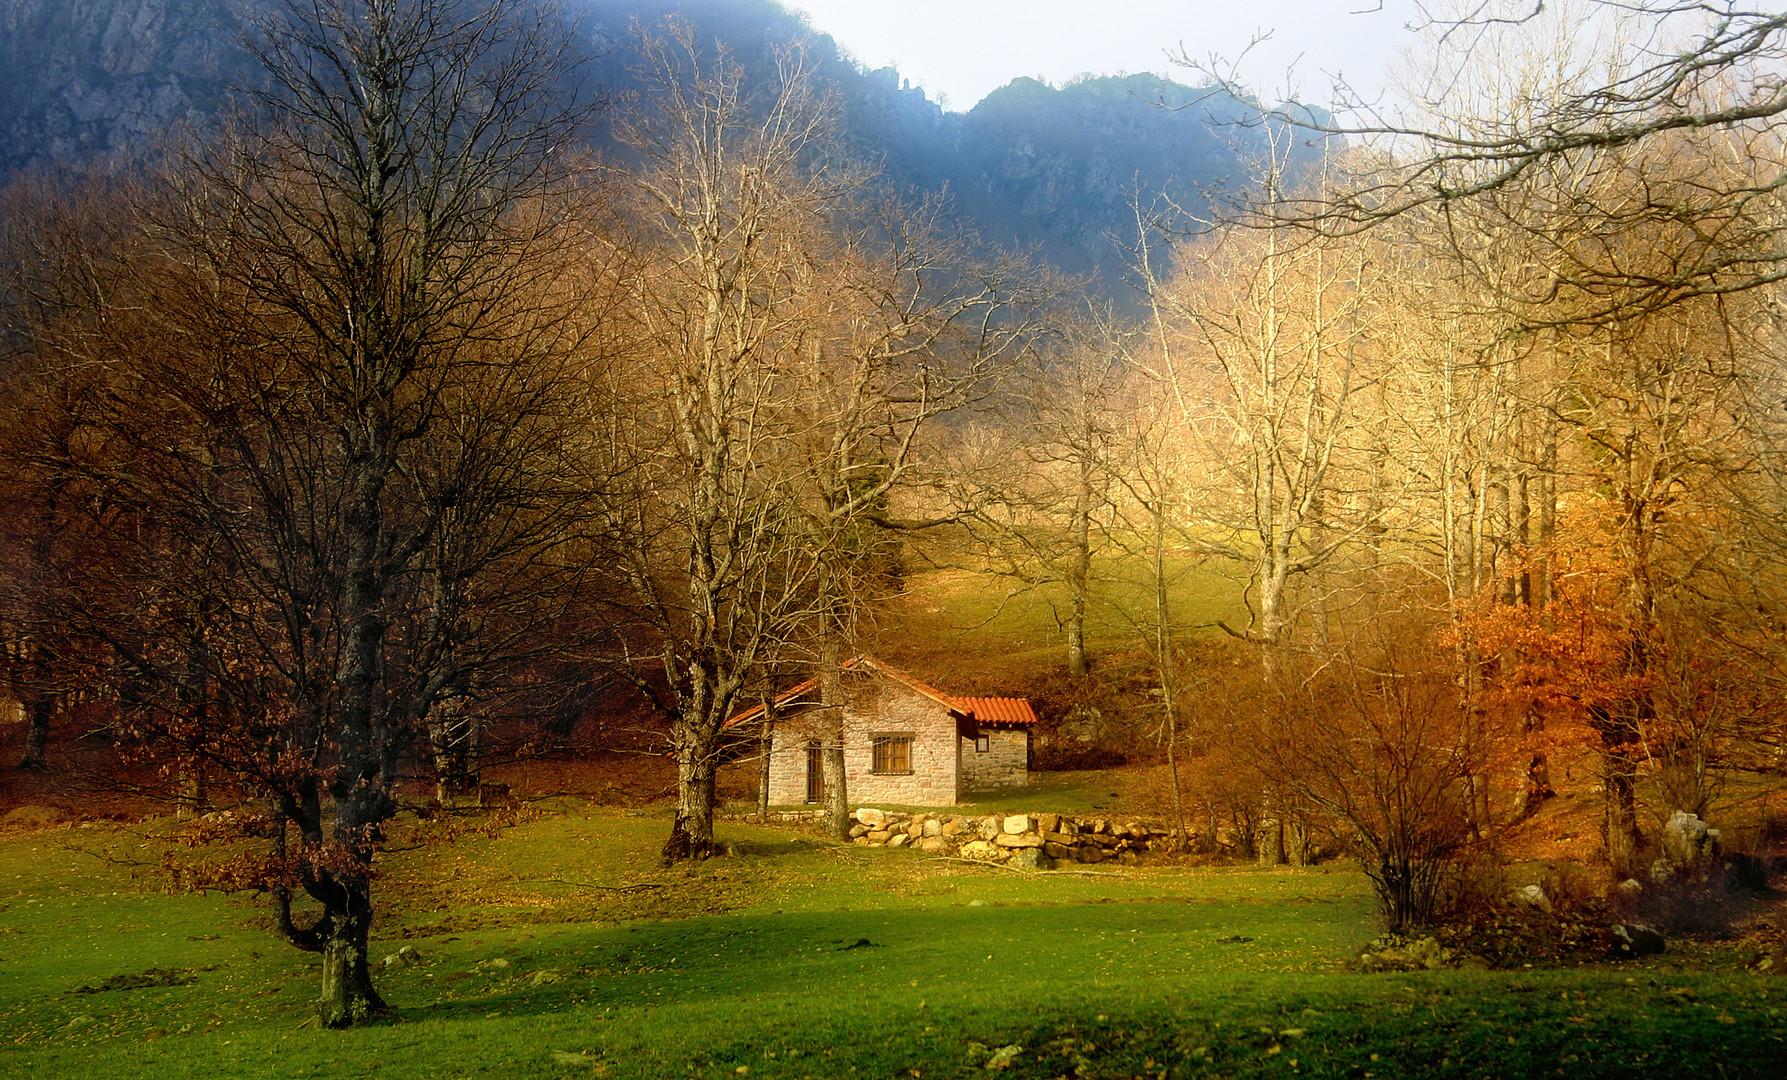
(1013, 632)
(556, 947)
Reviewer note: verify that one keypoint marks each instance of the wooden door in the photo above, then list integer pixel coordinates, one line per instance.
(815, 773)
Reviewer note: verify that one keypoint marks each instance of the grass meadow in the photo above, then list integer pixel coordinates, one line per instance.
(555, 946)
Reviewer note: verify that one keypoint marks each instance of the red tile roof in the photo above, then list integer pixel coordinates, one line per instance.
(995, 711)
(998, 710)
(787, 697)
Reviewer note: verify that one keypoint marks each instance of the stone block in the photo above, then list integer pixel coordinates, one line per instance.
(1031, 859)
(933, 827)
(1088, 853)
(1689, 849)
(988, 828)
(933, 844)
(915, 829)
(981, 849)
(1018, 840)
(1016, 823)
(878, 836)
(899, 840)
(1531, 897)
(1629, 940)
(1057, 851)
(1048, 823)
(951, 827)
(858, 830)
(874, 819)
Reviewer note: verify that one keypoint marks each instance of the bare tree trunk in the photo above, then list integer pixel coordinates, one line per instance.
(1501, 522)
(831, 760)
(447, 780)
(1269, 836)
(453, 736)
(1479, 804)
(193, 797)
(1520, 515)
(765, 743)
(1620, 819)
(1078, 571)
(1167, 661)
(692, 833)
(348, 995)
(37, 731)
(1296, 840)
(1547, 508)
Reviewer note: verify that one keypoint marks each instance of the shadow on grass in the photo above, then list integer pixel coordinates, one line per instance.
(771, 848)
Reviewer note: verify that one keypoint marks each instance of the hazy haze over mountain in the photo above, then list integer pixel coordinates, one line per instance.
(1032, 164)
(965, 49)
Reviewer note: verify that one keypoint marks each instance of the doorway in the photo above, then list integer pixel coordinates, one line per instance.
(815, 772)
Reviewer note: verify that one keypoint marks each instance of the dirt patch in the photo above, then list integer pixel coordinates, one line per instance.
(623, 778)
(152, 977)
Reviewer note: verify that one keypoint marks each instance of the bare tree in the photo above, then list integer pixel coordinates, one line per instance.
(803, 335)
(336, 405)
(1263, 345)
(731, 196)
(1035, 485)
(906, 322)
(1624, 83)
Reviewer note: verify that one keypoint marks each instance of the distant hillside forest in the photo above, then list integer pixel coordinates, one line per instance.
(1053, 169)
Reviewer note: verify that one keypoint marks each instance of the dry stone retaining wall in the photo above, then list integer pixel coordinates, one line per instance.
(1032, 840)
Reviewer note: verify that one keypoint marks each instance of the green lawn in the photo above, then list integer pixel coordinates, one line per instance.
(557, 948)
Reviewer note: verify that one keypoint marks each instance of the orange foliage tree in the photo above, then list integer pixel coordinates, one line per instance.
(1664, 691)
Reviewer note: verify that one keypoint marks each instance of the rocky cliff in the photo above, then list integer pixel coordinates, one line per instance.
(85, 78)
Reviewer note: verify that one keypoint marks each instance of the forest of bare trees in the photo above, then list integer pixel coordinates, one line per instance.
(381, 411)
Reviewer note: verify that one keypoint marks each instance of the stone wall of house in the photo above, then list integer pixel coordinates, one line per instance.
(874, 706)
(788, 757)
(1033, 841)
(881, 707)
(1006, 763)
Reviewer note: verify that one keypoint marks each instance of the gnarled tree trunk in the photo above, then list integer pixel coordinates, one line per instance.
(692, 833)
(348, 995)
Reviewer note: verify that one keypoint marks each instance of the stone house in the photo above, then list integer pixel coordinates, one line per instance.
(904, 742)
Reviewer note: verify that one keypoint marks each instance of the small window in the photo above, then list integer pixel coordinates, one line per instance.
(983, 743)
(893, 753)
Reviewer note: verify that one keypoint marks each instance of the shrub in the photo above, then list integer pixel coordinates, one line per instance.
(1380, 753)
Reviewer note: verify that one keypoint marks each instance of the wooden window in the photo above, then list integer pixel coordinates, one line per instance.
(893, 753)
(983, 743)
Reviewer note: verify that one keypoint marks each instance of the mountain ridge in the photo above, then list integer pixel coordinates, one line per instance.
(1031, 165)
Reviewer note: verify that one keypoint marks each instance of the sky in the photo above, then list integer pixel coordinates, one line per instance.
(963, 49)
